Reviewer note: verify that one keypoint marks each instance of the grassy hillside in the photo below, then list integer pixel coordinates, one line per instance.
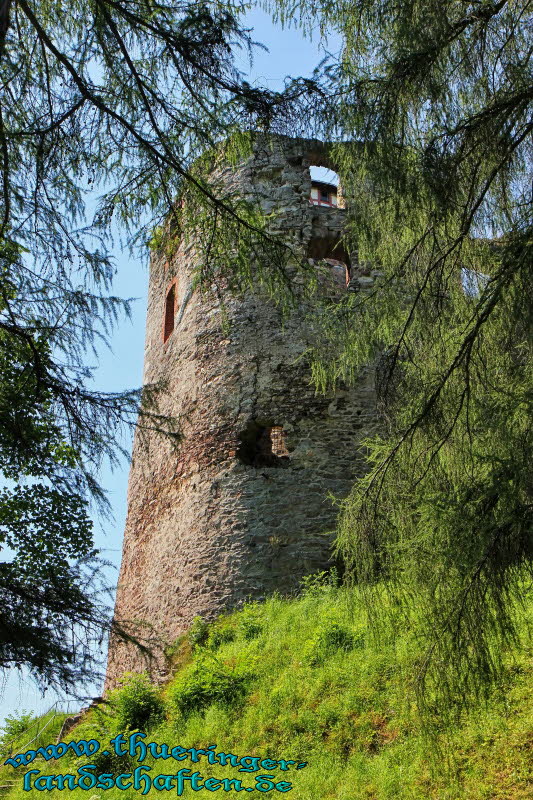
(301, 680)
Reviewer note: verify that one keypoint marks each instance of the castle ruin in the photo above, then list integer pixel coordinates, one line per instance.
(243, 507)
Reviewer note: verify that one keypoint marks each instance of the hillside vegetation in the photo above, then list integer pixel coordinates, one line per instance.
(302, 680)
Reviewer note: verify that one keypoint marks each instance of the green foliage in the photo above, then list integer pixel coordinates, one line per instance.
(131, 100)
(320, 583)
(111, 763)
(137, 705)
(224, 630)
(13, 726)
(209, 682)
(433, 119)
(38, 521)
(351, 717)
(211, 636)
(329, 639)
(250, 627)
(220, 635)
(198, 632)
(22, 732)
(49, 584)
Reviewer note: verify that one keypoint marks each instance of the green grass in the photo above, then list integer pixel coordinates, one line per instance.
(23, 733)
(303, 680)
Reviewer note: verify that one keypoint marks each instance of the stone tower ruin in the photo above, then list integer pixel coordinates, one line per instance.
(243, 507)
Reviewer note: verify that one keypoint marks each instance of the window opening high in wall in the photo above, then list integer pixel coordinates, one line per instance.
(324, 187)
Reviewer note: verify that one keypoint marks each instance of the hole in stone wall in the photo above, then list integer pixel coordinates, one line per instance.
(331, 251)
(263, 446)
(324, 187)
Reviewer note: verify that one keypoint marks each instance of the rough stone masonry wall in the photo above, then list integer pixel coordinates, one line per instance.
(210, 524)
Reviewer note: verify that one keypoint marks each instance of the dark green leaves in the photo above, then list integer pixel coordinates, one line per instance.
(434, 105)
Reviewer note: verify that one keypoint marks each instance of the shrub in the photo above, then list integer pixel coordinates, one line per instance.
(335, 637)
(107, 761)
(329, 638)
(219, 636)
(249, 622)
(250, 628)
(137, 704)
(201, 634)
(207, 683)
(14, 726)
(320, 583)
(198, 632)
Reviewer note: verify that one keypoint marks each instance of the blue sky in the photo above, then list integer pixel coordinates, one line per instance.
(121, 368)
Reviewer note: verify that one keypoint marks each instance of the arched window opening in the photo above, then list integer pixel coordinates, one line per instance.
(324, 187)
(170, 310)
(263, 446)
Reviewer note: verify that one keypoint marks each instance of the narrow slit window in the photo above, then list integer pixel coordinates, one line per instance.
(170, 303)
